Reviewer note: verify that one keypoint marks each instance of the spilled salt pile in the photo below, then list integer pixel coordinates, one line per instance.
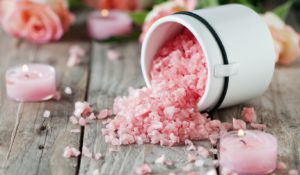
(166, 113)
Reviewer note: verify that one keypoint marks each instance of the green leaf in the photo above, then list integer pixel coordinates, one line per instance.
(73, 4)
(207, 3)
(283, 10)
(159, 1)
(138, 17)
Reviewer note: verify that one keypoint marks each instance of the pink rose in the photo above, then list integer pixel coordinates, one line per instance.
(164, 9)
(118, 4)
(286, 40)
(38, 21)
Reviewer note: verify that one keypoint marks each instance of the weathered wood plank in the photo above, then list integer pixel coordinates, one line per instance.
(37, 143)
(108, 80)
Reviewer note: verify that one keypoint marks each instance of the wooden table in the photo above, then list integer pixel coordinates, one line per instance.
(32, 144)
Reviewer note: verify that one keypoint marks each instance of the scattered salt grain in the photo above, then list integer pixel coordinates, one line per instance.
(57, 96)
(77, 50)
(92, 116)
(199, 163)
(211, 172)
(113, 54)
(202, 151)
(82, 121)
(143, 170)
(293, 172)
(161, 159)
(249, 115)
(96, 172)
(113, 149)
(86, 152)
(73, 60)
(187, 167)
(216, 163)
(98, 156)
(73, 120)
(281, 166)
(193, 173)
(213, 151)
(238, 124)
(171, 173)
(82, 109)
(70, 152)
(190, 145)
(46, 114)
(68, 90)
(191, 158)
(258, 126)
(75, 130)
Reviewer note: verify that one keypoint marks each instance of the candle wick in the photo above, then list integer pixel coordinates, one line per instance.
(243, 142)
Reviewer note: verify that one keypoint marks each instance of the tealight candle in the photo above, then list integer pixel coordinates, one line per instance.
(248, 152)
(32, 82)
(105, 24)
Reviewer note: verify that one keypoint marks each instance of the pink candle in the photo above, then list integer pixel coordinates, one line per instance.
(248, 152)
(105, 24)
(32, 82)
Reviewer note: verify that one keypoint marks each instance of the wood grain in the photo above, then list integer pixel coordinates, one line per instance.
(110, 79)
(31, 144)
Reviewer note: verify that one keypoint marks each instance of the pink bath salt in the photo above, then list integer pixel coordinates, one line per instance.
(71, 152)
(293, 172)
(86, 152)
(213, 151)
(68, 90)
(211, 172)
(258, 126)
(57, 96)
(249, 115)
(92, 116)
(96, 172)
(216, 163)
(143, 170)
(281, 166)
(73, 120)
(73, 60)
(113, 149)
(98, 156)
(190, 145)
(161, 159)
(82, 109)
(82, 121)
(202, 151)
(187, 167)
(199, 163)
(77, 50)
(46, 114)
(238, 124)
(113, 54)
(166, 113)
(104, 114)
(191, 158)
(193, 173)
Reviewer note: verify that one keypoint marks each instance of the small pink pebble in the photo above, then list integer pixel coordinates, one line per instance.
(161, 159)
(46, 114)
(82, 121)
(74, 60)
(281, 166)
(103, 114)
(86, 152)
(76, 50)
(293, 172)
(143, 170)
(73, 120)
(68, 90)
(258, 126)
(71, 152)
(249, 115)
(238, 124)
(98, 156)
(82, 109)
(113, 54)
(191, 158)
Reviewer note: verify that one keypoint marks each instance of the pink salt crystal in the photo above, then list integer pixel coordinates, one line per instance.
(82, 109)
(113, 149)
(187, 167)
(57, 96)
(249, 115)
(191, 146)
(86, 152)
(213, 151)
(71, 152)
(161, 159)
(199, 163)
(191, 158)
(281, 166)
(113, 54)
(98, 156)
(166, 113)
(211, 172)
(92, 116)
(77, 50)
(46, 114)
(216, 163)
(73, 120)
(202, 151)
(258, 126)
(82, 121)
(143, 170)
(238, 124)
(103, 114)
(68, 90)
(293, 172)
(73, 60)
(226, 171)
